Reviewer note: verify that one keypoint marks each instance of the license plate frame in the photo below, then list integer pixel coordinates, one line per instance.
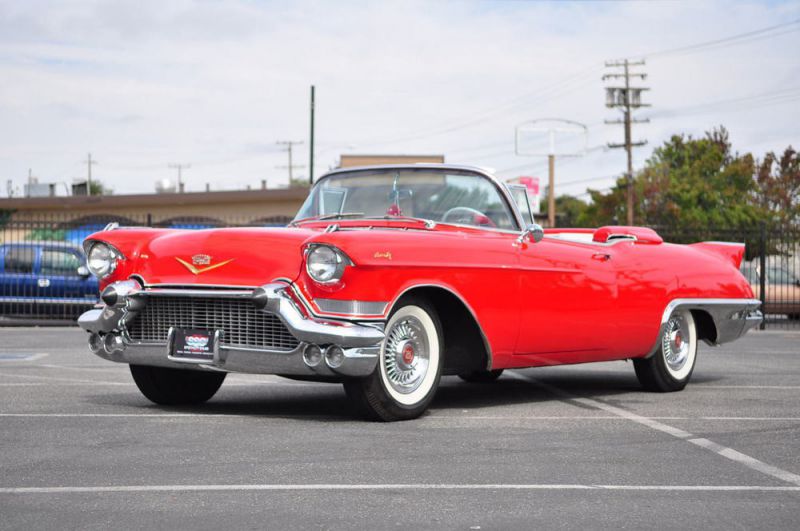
(192, 345)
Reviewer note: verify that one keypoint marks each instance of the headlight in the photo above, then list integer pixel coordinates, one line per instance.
(102, 259)
(326, 264)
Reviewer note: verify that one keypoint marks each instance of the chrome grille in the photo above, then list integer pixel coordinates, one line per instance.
(240, 323)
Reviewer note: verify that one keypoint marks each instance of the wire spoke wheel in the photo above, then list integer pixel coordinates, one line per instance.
(675, 343)
(671, 366)
(406, 355)
(410, 365)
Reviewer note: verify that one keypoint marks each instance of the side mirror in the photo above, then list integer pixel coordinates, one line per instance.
(83, 272)
(532, 232)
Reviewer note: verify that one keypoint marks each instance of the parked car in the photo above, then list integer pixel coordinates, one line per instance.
(391, 277)
(782, 286)
(45, 279)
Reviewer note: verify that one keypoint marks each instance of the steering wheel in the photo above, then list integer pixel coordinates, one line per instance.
(467, 216)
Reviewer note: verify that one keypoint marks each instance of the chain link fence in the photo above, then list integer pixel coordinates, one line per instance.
(43, 274)
(43, 271)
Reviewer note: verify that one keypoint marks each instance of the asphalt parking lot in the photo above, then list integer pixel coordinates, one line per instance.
(570, 447)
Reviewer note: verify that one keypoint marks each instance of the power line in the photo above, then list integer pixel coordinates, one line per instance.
(728, 41)
(548, 93)
(758, 100)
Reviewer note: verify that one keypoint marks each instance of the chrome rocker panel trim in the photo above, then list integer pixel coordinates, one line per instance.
(732, 317)
(361, 343)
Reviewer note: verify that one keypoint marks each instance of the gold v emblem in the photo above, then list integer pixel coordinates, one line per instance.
(197, 270)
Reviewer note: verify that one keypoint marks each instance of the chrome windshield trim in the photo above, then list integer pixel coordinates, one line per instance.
(500, 185)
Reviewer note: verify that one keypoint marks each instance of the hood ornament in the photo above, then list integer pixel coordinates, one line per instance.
(201, 260)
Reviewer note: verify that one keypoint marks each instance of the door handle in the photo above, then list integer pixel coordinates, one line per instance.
(603, 257)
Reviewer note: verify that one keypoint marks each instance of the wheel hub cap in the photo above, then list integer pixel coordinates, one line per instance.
(406, 355)
(674, 344)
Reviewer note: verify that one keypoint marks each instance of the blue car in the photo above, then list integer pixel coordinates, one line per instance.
(45, 279)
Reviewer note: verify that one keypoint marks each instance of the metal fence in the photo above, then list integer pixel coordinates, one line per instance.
(775, 252)
(43, 272)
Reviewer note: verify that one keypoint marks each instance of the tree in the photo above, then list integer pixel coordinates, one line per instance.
(98, 188)
(569, 210)
(687, 184)
(778, 185)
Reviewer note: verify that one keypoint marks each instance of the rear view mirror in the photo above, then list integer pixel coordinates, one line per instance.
(83, 272)
(532, 232)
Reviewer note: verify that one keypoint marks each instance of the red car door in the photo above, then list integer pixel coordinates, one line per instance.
(568, 296)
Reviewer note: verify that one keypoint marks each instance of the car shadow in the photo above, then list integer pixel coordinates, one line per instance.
(327, 402)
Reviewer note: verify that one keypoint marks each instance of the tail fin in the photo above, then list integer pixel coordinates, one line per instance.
(732, 252)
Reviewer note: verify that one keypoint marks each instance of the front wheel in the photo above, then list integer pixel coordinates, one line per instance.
(409, 367)
(173, 387)
(670, 368)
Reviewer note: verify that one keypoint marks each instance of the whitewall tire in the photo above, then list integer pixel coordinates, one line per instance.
(409, 367)
(671, 367)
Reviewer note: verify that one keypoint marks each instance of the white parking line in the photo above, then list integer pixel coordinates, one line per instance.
(388, 487)
(704, 386)
(21, 357)
(56, 379)
(729, 453)
(423, 420)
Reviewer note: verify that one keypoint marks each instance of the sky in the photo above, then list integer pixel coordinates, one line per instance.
(145, 84)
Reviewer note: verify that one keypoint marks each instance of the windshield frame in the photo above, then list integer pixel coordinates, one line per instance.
(516, 216)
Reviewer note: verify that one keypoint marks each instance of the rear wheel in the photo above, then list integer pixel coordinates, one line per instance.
(409, 368)
(670, 368)
(481, 376)
(172, 387)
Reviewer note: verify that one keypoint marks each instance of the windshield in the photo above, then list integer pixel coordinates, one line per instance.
(446, 196)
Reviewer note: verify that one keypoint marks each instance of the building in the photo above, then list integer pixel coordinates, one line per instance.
(72, 218)
(349, 161)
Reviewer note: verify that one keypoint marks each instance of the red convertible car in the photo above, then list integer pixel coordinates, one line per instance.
(392, 276)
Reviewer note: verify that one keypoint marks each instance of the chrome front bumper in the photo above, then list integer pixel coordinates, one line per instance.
(359, 343)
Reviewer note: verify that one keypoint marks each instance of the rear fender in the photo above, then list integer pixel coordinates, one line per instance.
(728, 251)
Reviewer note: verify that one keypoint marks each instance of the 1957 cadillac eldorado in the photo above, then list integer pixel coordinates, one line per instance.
(392, 276)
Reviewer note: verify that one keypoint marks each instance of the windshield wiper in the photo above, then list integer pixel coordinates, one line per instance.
(429, 223)
(326, 217)
(340, 215)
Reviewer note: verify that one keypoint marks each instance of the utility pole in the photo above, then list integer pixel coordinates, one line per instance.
(626, 98)
(180, 168)
(89, 163)
(310, 145)
(565, 138)
(291, 166)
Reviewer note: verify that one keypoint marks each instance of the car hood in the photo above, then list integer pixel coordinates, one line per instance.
(220, 257)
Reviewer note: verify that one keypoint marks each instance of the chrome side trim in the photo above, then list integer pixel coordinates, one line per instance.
(377, 319)
(732, 317)
(350, 307)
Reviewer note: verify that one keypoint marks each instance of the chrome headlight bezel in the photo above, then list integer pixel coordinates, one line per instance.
(105, 264)
(325, 264)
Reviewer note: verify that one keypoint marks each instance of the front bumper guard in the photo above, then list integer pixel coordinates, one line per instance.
(360, 343)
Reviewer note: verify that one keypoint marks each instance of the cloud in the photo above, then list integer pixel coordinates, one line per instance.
(141, 84)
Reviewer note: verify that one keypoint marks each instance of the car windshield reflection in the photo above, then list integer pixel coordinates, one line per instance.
(441, 196)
